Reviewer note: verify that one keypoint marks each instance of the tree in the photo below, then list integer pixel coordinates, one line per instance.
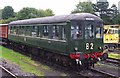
(117, 19)
(27, 13)
(44, 13)
(107, 14)
(49, 12)
(7, 12)
(83, 7)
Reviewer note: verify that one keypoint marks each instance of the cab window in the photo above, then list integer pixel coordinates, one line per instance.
(76, 30)
(98, 32)
(89, 31)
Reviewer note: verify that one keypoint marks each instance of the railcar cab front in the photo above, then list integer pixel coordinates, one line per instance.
(86, 40)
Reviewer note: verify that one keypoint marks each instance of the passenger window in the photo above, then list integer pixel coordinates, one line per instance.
(45, 31)
(55, 32)
(89, 31)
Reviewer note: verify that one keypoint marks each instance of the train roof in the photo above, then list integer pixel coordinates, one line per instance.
(57, 19)
(3, 24)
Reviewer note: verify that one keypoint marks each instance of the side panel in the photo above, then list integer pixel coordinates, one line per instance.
(4, 31)
(55, 46)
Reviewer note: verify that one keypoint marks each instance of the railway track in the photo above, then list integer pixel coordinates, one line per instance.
(112, 60)
(108, 75)
(85, 73)
(6, 73)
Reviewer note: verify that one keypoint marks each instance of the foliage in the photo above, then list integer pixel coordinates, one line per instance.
(117, 19)
(7, 20)
(7, 12)
(43, 13)
(83, 7)
(107, 14)
(11, 19)
(2, 21)
(27, 13)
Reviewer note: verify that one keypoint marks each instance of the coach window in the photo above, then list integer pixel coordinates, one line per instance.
(45, 31)
(55, 32)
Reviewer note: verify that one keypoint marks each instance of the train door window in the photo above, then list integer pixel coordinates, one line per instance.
(63, 33)
(55, 32)
(12, 30)
(98, 32)
(89, 28)
(45, 31)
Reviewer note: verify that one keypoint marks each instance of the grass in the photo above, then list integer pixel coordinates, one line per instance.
(25, 63)
(113, 55)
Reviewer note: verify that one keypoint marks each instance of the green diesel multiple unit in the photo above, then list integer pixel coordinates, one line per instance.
(75, 36)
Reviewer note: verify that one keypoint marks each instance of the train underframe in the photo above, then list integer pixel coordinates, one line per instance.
(45, 54)
(112, 46)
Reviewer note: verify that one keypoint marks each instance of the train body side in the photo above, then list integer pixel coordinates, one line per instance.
(111, 36)
(3, 32)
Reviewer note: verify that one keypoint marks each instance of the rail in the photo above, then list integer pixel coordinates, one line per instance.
(8, 71)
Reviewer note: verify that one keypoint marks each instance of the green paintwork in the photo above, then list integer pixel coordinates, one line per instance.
(64, 47)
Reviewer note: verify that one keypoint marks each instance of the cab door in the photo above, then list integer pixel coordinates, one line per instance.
(89, 36)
